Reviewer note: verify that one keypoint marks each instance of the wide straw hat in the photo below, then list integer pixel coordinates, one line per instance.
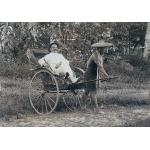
(101, 44)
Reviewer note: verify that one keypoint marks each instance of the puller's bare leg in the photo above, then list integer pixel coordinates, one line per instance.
(94, 98)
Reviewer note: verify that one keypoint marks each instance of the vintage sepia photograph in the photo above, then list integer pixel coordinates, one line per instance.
(74, 74)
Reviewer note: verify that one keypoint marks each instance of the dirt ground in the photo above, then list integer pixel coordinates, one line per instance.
(122, 106)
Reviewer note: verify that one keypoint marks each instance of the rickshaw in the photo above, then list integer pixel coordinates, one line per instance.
(46, 89)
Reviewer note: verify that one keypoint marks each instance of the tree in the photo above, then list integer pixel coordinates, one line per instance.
(147, 42)
(75, 38)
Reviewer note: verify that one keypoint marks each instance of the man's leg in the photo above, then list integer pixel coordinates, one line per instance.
(93, 95)
(85, 97)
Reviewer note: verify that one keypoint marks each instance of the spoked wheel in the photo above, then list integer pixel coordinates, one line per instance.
(44, 92)
(73, 101)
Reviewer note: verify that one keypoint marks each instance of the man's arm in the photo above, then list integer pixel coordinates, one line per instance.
(99, 60)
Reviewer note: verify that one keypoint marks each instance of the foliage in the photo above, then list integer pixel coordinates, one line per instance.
(75, 38)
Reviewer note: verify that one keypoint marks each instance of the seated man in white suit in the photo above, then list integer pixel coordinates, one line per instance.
(58, 64)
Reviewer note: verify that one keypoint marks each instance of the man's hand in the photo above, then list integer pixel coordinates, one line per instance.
(104, 76)
(58, 65)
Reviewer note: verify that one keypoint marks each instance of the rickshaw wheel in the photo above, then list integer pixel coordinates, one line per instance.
(73, 100)
(44, 92)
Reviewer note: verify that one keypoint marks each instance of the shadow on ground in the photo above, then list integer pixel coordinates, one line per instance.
(139, 123)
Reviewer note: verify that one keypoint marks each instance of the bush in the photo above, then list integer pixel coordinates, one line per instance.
(14, 70)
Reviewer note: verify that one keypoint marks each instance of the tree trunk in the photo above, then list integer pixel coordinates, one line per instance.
(147, 42)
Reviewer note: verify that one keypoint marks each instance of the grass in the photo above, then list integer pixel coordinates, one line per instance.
(15, 80)
(13, 70)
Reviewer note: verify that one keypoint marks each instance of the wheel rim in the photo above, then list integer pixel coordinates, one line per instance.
(73, 101)
(42, 99)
